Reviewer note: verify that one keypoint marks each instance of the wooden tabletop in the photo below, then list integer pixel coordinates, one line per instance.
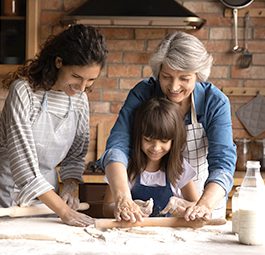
(50, 236)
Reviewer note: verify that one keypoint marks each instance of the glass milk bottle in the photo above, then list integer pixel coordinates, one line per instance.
(251, 209)
(235, 210)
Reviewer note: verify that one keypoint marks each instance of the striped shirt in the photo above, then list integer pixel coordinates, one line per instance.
(21, 109)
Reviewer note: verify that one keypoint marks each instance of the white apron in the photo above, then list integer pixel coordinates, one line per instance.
(196, 154)
(53, 136)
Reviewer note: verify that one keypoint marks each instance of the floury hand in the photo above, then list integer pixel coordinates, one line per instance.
(70, 193)
(145, 206)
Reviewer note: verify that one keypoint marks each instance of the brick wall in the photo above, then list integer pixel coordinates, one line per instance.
(129, 51)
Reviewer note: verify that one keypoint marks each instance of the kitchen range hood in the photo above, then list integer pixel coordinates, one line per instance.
(134, 13)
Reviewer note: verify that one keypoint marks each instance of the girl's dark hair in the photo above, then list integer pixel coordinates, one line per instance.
(79, 45)
(158, 118)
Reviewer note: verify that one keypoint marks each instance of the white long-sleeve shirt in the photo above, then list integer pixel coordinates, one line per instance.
(16, 137)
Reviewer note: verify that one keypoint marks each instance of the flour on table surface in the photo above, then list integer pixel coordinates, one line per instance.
(49, 229)
(49, 236)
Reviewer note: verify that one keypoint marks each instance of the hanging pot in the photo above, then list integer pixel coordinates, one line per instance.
(235, 5)
(238, 4)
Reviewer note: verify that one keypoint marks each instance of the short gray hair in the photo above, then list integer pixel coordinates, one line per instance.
(183, 52)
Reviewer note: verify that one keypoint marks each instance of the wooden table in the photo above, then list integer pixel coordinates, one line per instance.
(62, 239)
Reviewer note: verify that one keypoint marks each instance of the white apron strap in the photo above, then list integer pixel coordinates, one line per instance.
(193, 111)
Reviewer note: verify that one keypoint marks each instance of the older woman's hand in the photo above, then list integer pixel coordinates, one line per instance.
(197, 212)
(126, 209)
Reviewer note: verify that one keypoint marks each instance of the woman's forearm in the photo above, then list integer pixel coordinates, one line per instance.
(117, 177)
(67, 215)
(213, 193)
(124, 207)
(54, 202)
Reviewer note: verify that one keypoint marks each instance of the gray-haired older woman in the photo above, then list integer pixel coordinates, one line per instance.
(181, 66)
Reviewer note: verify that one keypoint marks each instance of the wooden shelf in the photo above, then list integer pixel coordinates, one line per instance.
(253, 12)
(10, 18)
(30, 23)
(243, 91)
(94, 178)
(6, 68)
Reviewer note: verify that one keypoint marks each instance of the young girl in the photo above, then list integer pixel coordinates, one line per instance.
(158, 175)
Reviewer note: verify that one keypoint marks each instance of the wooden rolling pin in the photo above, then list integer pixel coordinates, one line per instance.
(157, 222)
(33, 210)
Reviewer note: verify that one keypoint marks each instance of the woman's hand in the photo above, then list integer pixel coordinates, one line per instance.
(74, 218)
(145, 206)
(197, 212)
(67, 214)
(212, 195)
(70, 193)
(126, 209)
(176, 206)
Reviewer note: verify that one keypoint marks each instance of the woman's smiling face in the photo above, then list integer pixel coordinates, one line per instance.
(176, 85)
(76, 79)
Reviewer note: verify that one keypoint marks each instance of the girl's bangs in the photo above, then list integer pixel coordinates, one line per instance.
(158, 127)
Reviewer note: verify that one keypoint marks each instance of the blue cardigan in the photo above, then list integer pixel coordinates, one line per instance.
(213, 111)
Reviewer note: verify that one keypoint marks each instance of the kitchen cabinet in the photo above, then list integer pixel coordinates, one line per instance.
(93, 193)
(18, 34)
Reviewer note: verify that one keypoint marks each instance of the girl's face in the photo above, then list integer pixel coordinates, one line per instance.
(176, 85)
(155, 149)
(76, 79)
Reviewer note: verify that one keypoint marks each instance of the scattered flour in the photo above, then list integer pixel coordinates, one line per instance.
(49, 236)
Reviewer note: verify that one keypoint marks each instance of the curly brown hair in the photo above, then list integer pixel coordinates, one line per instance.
(79, 45)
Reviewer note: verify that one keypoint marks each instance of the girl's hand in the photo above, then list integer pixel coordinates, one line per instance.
(197, 212)
(126, 209)
(74, 218)
(176, 206)
(145, 206)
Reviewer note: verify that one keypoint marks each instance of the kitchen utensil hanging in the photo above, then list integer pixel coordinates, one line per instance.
(235, 5)
(246, 57)
(252, 115)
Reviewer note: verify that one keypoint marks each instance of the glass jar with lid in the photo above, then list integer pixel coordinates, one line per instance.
(258, 152)
(243, 153)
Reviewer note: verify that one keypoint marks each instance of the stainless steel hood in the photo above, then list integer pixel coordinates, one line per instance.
(134, 13)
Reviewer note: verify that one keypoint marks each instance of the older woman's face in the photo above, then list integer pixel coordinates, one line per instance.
(176, 85)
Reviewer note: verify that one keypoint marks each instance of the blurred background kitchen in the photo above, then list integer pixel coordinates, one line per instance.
(25, 24)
